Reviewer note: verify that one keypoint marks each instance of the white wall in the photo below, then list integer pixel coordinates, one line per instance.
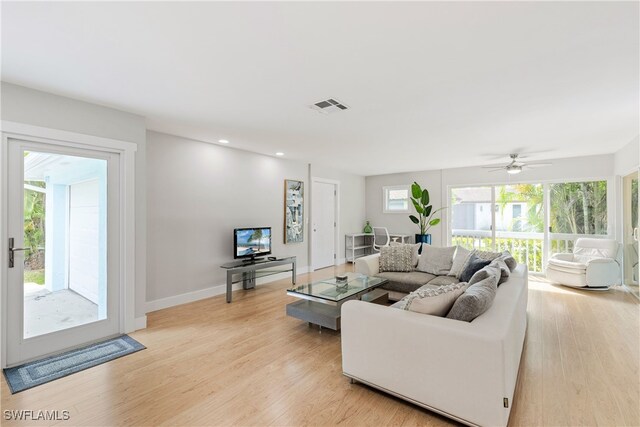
(400, 222)
(33, 107)
(197, 194)
(628, 157)
(438, 183)
(352, 202)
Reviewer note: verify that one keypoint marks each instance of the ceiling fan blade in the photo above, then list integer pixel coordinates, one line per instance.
(497, 170)
(494, 156)
(537, 165)
(493, 167)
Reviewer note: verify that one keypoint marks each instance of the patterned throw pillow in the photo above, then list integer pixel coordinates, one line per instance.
(396, 258)
(414, 251)
(436, 302)
(488, 255)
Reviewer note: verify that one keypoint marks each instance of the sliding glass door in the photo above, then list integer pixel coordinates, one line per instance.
(514, 217)
(630, 230)
(577, 209)
(520, 222)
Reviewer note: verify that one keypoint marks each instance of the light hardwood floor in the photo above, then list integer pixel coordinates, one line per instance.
(246, 363)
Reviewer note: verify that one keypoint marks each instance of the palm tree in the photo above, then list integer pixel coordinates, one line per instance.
(257, 235)
(532, 195)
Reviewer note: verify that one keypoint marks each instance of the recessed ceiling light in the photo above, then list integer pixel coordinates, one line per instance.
(223, 141)
(279, 153)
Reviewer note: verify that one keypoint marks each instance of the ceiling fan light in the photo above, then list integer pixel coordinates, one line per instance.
(514, 170)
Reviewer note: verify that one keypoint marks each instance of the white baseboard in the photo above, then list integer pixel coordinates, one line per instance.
(141, 322)
(341, 261)
(212, 291)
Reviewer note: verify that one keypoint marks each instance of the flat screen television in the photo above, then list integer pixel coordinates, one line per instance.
(251, 242)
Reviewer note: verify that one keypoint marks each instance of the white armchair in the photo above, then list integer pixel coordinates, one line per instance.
(593, 264)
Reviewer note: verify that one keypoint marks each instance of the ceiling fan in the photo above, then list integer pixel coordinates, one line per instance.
(516, 166)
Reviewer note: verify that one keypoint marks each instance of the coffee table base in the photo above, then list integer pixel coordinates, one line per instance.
(328, 316)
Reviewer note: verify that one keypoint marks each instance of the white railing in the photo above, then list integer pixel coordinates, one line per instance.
(527, 248)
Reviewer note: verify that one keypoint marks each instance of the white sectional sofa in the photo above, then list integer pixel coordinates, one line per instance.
(464, 370)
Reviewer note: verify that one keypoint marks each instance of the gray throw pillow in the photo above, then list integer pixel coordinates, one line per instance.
(474, 264)
(509, 260)
(460, 260)
(501, 266)
(477, 299)
(482, 274)
(436, 260)
(395, 258)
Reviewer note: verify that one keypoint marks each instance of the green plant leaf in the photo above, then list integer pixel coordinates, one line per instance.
(424, 198)
(414, 219)
(416, 190)
(434, 221)
(427, 210)
(416, 205)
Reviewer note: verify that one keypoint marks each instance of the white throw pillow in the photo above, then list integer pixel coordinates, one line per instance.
(436, 302)
(436, 260)
(460, 260)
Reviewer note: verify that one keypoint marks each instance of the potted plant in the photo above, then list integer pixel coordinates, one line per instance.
(425, 219)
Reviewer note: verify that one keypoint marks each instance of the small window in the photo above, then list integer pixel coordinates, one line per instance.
(396, 199)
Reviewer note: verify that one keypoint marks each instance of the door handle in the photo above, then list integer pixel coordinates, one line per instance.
(12, 251)
(635, 234)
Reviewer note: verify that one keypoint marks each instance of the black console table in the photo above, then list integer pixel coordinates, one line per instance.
(248, 271)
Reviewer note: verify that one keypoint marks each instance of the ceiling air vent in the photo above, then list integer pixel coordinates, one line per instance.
(329, 106)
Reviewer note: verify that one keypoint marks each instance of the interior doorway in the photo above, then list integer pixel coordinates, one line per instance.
(630, 230)
(324, 217)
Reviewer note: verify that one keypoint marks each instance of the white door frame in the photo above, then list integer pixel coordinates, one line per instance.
(336, 241)
(621, 206)
(126, 150)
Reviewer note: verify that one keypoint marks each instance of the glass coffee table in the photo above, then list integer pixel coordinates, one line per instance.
(320, 301)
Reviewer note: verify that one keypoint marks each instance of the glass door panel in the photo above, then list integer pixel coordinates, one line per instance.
(65, 229)
(577, 209)
(519, 223)
(471, 217)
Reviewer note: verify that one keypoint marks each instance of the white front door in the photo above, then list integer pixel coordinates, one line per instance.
(63, 287)
(324, 224)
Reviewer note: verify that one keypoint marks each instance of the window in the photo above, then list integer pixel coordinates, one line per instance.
(396, 199)
(579, 207)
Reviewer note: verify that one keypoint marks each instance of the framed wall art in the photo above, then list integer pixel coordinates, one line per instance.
(293, 211)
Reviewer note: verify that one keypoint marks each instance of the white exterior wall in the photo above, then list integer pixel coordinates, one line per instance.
(84, 239)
